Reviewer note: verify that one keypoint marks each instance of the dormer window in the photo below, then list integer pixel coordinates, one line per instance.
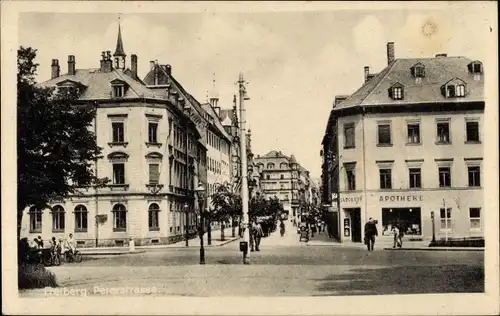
(418, 70)
(455, 88)
(118, 88)
(476, 68)
(396, 92)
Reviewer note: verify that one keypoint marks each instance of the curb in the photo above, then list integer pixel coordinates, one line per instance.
(438, 249)
(112, 253)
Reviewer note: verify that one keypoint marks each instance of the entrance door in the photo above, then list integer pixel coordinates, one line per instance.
(356, 224)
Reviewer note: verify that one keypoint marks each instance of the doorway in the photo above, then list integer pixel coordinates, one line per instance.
(355, 216)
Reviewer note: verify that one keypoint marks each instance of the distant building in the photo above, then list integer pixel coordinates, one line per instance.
(283, 177)
(406, 148)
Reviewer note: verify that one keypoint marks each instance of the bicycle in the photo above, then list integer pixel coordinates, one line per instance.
(72, 256)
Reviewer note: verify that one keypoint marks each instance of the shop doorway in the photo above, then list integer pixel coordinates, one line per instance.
(355, 221)
(408, 219)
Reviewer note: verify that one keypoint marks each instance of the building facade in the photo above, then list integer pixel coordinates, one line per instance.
(410, 149)
(154, 139)
(283, 177)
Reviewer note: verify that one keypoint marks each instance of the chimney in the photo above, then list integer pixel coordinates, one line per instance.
(106, 62)
(441, 55)
(169, 69)
(367, 72)
(155, 73)
(390, 52)
(71, 65)
(55, 68)
(133, 63)
(151, 64)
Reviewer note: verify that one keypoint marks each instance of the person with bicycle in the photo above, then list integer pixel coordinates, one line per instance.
(70, 245)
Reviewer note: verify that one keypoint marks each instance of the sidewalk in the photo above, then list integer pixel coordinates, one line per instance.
(385, 244)
(193, 243)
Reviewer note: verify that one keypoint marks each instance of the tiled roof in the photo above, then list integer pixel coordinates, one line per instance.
(438, 71)
(98, 84)
(208, 108)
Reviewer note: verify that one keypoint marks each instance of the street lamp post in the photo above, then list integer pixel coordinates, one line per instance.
(186, 209)
(201, 199)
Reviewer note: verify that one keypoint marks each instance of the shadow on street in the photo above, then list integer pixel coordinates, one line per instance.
(405, 280)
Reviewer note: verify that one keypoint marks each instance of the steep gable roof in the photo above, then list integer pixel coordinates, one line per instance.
(438, 71)
(210, 111)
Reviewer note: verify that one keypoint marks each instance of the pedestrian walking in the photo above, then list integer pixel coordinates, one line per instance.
(257, 234)
(397, 236)
(370, 234)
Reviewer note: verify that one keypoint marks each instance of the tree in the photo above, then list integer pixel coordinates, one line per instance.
(227, 205)
(55, 145)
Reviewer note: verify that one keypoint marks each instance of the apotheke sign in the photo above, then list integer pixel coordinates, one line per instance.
(401, 198)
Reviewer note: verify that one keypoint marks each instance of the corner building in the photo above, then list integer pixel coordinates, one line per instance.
(410, 149)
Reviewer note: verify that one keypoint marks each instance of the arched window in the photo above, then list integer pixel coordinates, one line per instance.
(81, 224)
(153, 217)
(270, 165)
(119, 218)
(58, 218)
(35, 219)
(283, 165)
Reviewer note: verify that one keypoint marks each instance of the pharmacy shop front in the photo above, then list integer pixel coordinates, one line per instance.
(420, 214)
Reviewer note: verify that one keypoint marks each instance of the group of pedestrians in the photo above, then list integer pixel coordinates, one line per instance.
(371, 232)
(59, 246)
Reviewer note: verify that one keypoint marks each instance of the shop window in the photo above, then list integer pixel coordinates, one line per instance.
(415, 178)
(81, 214)
(443, 132)
(475, 218)
(35, 220)
(472, 131)
(408, 220)
(445, 218)
(413, 133)
(349, 136)
(474, 173)
(58, 218)
(153, 217)
(444, 177)
(384, 134)
(385, 178)
(119, 217)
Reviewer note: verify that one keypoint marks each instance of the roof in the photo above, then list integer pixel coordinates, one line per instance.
(438, 71)
(98, 84)
(208, 108)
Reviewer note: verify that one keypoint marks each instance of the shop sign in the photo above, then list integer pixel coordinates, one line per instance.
(401, 198)
(351, 199)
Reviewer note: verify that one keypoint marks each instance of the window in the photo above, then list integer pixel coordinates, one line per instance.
(419, 72)
(349, 136)
(282, 176)
(152, 132)
(397, 93)
(35, 220)
(350, 170)
(118, 91)
(450, 91)
(270, 165)
(118, 132)
(58, 218)
(81, 218)
(415, 178)
(443, 132)
(120, 217)
(460, 91)
(283, 165)
(268, 177)
(118, 173)
(414, 133)
(153, 218)
(384, 134)
(472, 131)
(445, 218)
(385, 178)
(474, 176)
(154, 173)
(475, 218)
(444, 177)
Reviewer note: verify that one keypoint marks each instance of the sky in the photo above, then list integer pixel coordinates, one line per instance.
(294, 62)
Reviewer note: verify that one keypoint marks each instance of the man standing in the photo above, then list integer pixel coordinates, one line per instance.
(370, 233)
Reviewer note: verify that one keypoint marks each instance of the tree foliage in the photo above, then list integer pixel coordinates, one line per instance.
(226, 202)
(55, 142)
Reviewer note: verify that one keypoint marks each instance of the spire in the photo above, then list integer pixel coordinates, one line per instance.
(119, 43)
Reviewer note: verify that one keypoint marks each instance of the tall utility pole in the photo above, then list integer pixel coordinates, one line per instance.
(244, 172)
